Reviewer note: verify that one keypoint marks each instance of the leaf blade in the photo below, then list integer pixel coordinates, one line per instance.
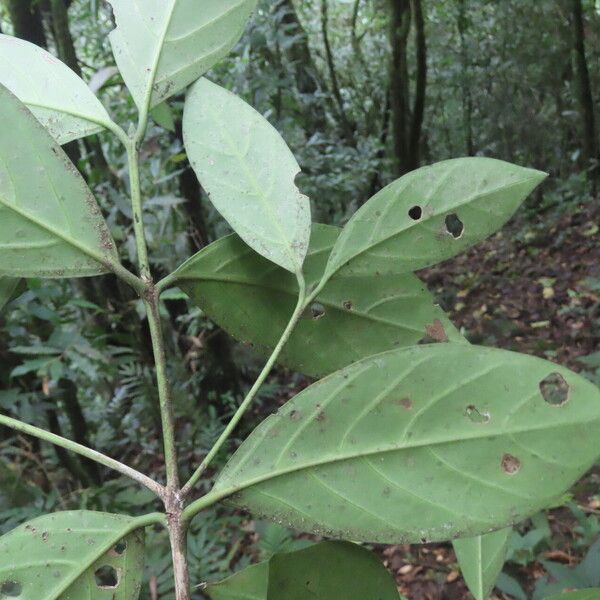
(481, 560)
(8, 286)
(164, 46)
(482, 193)
(361, 315)
(322, 571)
(250, 583)
(265, 207)
(50, 224)
(310, 464)
(71, 543)
(57, 97)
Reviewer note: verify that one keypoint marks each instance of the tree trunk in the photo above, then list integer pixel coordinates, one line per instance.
(414, 150)
(347, 127)
(399, 29)
(301, 63)
(27, 21)
(584, 87)
(466, 95)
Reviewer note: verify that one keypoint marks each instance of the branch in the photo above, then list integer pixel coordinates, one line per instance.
(303, 300)
(98, 457)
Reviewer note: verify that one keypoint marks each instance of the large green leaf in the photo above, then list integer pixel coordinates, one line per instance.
(59, 99)
(423, 443)
(591, 594)
(430, 215)
(330, 570)
(65, 556)
(50, 224)
(324, 571)
(248, 171)
(8, 286)
(353, 317)
(481, 560)
(250, 583)
(162, 46)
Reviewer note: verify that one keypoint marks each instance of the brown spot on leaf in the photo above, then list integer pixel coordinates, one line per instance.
(511, 464)
(436, 331)
(405, 403)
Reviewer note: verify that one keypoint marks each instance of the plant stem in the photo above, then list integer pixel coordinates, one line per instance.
(138, 216)
(164, 391)
(98, 457)
(172, 498)
(300, 306)
(178, 538)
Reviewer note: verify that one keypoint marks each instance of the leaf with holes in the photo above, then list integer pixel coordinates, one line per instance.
(73, 556)
(322, 571)
(430, 215)
(423, 443)
(50, 224)
(8, 287)
(58, 98)
(248, 171)
(162, 46)
(353, 317)
(481, 560)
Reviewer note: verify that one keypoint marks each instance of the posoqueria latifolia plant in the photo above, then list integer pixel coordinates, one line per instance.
(399, 441)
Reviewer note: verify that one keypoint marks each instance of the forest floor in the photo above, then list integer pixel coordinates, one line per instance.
(534, 288)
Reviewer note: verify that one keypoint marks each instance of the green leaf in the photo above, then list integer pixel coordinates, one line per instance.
(430, 215)
(66, 556)
(353, 317)
(248, 171)
(509, 585)
(591, 594)
(58, 98)
(250, 583)
(163, 116)
(330, 570)
(323, 571)
(162, 46)
(423, 443)
(481, 560)
(50, 224)
(8, 287)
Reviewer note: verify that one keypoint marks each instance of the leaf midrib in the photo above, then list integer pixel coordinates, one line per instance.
(286, 242)
(103, 260)
(232, 489)
(326, 303)
(337, 265)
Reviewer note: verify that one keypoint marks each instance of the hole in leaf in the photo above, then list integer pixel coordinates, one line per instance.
(555, 389)
(454, 226)
(106, 577)
(348, 304)
(10, 589)
(472, 412)
(511, 464)
(317, 310)
(120, 547)
(415, 213)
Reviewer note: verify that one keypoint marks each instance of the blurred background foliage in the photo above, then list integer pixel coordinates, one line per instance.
(363, 91)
